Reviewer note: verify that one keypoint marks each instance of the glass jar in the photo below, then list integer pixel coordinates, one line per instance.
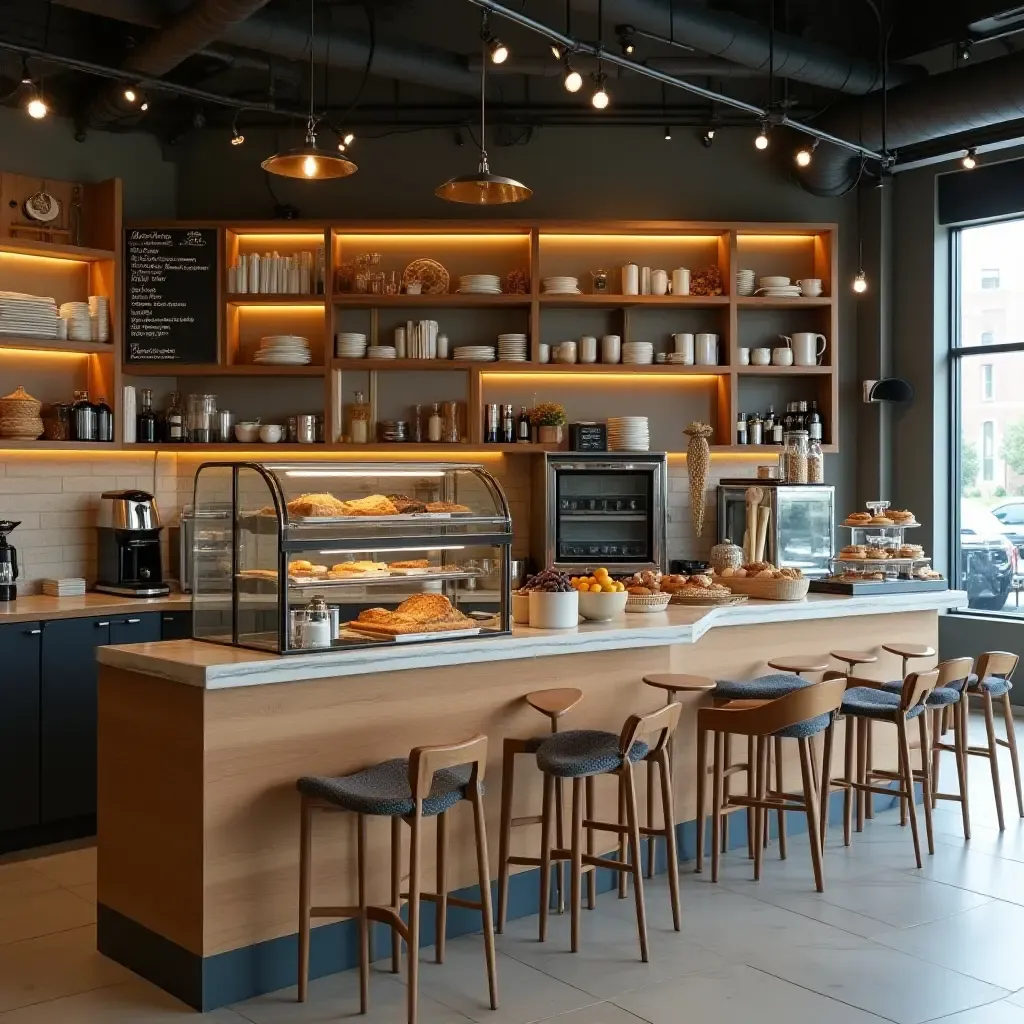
(795, 457)
(83, 418)
(450, 429)
(359, 420)
(57, 422)
(435, 424)
(416, 425)
(815, 462)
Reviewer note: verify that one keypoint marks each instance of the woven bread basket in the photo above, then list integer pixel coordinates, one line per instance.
(647, 602)
(767, 589)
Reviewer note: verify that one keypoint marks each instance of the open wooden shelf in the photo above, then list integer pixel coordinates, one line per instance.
(218, 370)
(761, 449)
(55, 250)
(220, 449)
(785, 371)
(275, 300)
(623, 369)
(801, 302)
(57, 345)
(455, 301)
(606, 300)
(10, 444)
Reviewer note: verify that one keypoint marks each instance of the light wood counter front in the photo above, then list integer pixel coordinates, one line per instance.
(198, 813)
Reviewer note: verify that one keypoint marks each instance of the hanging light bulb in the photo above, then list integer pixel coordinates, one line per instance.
(668, 133)
(309, 166)
(572, 80)
(804, 155)
(761, 141)
(556, 51)
(348, 139)
(498, 51)
(36, 106)
(860, 282)
(144, 106)
(970, 161)
(341, 147)
(130, 94)
(600, 99)
(708, 138)
(237, 138)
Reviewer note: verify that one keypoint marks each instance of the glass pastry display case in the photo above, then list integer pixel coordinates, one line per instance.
(330, 556)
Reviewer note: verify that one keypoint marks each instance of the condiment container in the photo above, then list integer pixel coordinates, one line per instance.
(630, 279)
(552, 610)
(316, 630)
(521, 609)
(726, 556)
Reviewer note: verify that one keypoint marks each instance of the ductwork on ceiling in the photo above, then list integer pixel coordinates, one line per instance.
(683, 67)
(745, 42)
(969, 98)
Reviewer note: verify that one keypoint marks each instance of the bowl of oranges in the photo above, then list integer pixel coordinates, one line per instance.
(601, 597)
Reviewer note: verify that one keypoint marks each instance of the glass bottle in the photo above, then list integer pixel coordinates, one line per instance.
(174, 420)
(523, 426)
(145, 423)
(741, 429)
(434, 424)
(83, 418)
(450, 429)
(802, 416)
(359, 420)
(416, 427)
(814, 422)
(104, 421)
(769, 424)
(815, 462)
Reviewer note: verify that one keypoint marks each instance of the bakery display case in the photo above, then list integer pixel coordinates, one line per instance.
(329, 556)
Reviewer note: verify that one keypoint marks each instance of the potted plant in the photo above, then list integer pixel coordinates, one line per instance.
(549, 418)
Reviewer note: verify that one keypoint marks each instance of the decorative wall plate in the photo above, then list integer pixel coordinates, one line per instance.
(42, 207)
(430, 274)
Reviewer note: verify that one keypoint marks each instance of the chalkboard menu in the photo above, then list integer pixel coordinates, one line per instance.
(171, 295)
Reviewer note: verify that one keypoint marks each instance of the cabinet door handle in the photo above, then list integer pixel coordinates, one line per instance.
(99, 624)
(133, 622)
(32, 632)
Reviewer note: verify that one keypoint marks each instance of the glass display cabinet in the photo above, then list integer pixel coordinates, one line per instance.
(331, 556)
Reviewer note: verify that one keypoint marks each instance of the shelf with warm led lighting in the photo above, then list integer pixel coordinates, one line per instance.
(55, 250)
(620, 369)
(60, 345)
(218, 370)
(785, 371)
(275, 300)
(606, 300)
(41, 444)
(446, 301)
(799, 302)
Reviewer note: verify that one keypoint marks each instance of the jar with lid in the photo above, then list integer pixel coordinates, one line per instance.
(57, 422)
(435, 423)
(815, 462)
(316, 630)
(795, 457)
(359, 420)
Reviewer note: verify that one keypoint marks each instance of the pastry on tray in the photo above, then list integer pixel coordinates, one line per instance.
(365, 568)
(900, 516)
(447, 506)
(411, 563)
(881, 521)
(371, 505)
(421, 613)
(406, 505)
(859, 518)
(910, 551)
(876, 553)
(321, 505)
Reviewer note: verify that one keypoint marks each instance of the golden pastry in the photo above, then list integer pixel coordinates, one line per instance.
(316, 505)
(447, 506)
(300, 565)
(859, 517)
(372, 505)
(881, 521)
(411, 563)
(900, 515)
(876, 553)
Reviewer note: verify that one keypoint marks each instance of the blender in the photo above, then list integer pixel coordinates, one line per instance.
(8, 562)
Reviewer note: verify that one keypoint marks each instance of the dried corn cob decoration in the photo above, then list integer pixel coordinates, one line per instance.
(698, 462)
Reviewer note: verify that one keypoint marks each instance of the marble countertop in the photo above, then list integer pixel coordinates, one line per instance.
(35, 607)
(213, 666)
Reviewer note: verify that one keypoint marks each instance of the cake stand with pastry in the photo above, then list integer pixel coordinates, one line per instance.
(387, 553)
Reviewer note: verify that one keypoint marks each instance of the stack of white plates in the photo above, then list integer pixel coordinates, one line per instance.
(381, 352)
(628, 434)
(561, 286)
(79, 323)
(349, 345)
(475, 353)
(70, 587)
(480, 284)
(99, 315)
(641, 352)
(778, 288)
(512, 348)
(744, 282)
(283, 350)
(28, 316)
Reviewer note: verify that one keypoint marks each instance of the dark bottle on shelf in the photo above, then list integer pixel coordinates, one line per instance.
(523, 426)
(814, 422)
(803, 416)
(174, 421)
(104, 421)
(145, 423)
(83, 418)
(508, 425)
(769, 424)
(741, 429)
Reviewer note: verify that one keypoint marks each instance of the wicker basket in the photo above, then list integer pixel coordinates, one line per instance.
(767, 589)
(708, 599)
(647, 602)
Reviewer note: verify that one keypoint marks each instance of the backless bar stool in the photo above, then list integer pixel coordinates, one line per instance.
(992, 679)
(553, 703)
(431, 782)
(582, 755)
(672, 683)
(851, 660)
(800, 715)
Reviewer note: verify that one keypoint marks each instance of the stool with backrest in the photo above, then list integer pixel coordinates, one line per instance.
(429, 784)
(851, 660)
(583, 755)
(991, 680)
(553, 703)
(867, 700)
(800, 714)
(673, 683)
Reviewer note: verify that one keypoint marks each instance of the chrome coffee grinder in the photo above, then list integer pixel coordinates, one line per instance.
(8, 563)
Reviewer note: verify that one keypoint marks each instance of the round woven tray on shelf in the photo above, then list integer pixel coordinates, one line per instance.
(647, 602)
(766, 589)
(708, 599)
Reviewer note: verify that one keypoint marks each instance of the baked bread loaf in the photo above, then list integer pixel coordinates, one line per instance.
(316, 505)
(410, 563)
(446, 506)
(371, 505)
(406, 505)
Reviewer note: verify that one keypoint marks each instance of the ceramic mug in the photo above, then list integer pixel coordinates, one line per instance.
(588, 349)
(810, 286)
(683, 346)
(543, 353)
(680, 281)
(659, 282)
(744, 357)
(611, 348)
(782, 356)
(760, 356)
(565, 352)
(807, 346)
(706, 349)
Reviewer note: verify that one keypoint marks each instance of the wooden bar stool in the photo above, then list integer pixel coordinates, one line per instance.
(582, 755)
(553, 703)
(800, 715)
(672, 683)
(991, 679)
(851, 659)
(867, 699)
(429, 784)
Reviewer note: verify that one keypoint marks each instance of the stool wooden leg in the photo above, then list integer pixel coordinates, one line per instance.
(825, 789)
(960, 742)
(668, 816)
(396, 891)
(413, 991)
(702, 778)
(850, 740)
(869, 760)
(576, 881)
(545, 854)
(760, 791)
(927, 786)
(634, 842)
(808, 772)
(726, 787)
(1011, 742)
(716, 809)
(305, 872)
(364, 920)
(780, 786)
(508, 769)
(652, 846)
(863, 765)
(751, 790)
(907, 783)
(993, 756)
(591, 814)
(441, 906)
(560, 843)
(483, 874)
(623, 846)
(938, 725)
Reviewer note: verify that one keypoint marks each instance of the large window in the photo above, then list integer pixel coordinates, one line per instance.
(988, 365)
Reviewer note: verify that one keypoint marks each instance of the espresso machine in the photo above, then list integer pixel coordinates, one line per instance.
(8, 563)
(129, 561)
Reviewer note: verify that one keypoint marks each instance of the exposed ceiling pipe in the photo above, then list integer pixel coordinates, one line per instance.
(281, 37)
(686, 67)
(972, 97)
(745, 42)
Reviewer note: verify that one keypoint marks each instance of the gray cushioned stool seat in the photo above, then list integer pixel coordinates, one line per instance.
(995, 685)
(806, 729)
(384, 789)
(580, 752)
(869, 703)
(777, 684)
(940, 698)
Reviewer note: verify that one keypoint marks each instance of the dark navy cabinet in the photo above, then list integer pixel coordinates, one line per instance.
(135, 629)
(20, 646)
(176, 626)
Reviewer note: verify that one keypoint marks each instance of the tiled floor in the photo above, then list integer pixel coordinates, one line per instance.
(884, 942)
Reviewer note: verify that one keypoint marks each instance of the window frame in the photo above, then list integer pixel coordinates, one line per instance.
(988, 382)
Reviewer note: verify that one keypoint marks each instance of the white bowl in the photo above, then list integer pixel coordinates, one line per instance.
(271, 433)
(553, 610)
(604, 606)
(247, 433)
(521, 609)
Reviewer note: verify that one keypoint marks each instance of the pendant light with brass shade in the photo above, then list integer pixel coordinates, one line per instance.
(483, 188)
(309, 162)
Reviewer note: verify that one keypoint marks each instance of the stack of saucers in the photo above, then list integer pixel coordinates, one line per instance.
(350, 345)
(70, 586)
(79, 324)
(640, 352)
(99, 315)
(475, 353)
(283, 350)
(512, 348)
(28, 316)
(744, 282)
(778, 288)
(628, 434)
(381, 352)
(393, 430)
(480, 284)
(561, 286)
